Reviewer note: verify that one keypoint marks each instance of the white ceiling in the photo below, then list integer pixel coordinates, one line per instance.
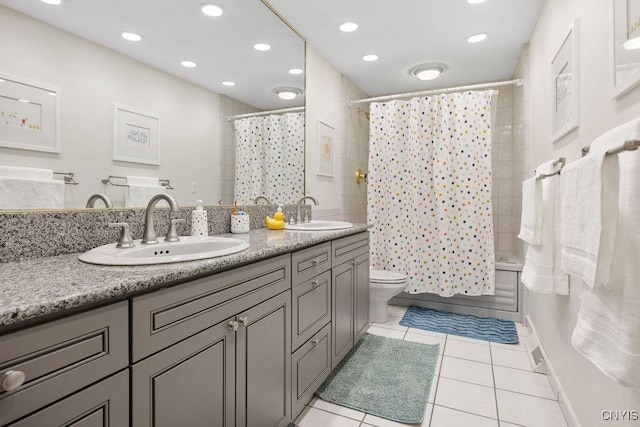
(406, 33)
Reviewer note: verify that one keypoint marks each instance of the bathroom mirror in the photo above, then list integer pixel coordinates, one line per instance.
(77, 48)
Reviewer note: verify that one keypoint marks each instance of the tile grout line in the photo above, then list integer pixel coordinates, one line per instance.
(435, 393)
(495, 392)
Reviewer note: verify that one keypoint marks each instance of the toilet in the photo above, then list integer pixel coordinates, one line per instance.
(383, 285)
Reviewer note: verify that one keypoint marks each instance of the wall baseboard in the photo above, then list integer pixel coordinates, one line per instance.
(565, 405)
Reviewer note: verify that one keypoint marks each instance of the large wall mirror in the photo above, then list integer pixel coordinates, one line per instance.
(225, 126)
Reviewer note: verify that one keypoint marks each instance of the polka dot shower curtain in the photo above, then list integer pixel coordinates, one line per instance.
(269, 158)
(429, 195)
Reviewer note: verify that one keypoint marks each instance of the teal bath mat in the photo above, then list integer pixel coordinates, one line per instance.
(464, 325)
(385, 377)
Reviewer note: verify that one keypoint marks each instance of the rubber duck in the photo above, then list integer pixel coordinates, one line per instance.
(277, 222)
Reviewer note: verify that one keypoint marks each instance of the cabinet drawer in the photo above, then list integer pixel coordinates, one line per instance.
(347, 248)
(62, 356)
(310, 262)
(103, 404)
(310, 366)
(164, 317)
(311, 307)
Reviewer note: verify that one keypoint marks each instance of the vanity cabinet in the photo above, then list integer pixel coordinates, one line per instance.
(350, 293)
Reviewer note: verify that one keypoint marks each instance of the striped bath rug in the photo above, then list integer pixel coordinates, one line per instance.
(464, 325)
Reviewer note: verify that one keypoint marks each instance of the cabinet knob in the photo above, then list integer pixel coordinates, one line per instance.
(244, 321)
(315, 341)
(354, 262)
(315, 261)
(11, 380)
(315, 282)
(233, 325)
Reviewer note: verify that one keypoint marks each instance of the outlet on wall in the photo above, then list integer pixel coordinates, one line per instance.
(194, 187)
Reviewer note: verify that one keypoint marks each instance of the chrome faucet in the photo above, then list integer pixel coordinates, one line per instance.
(99, 196)
(149, 236)
(261, 197)
(301, 202)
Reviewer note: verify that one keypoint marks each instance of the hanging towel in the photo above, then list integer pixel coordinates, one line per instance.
(607, 331)
(140, 190)
(531, 223)
(589, 212)
(29, 188)
(541, 272)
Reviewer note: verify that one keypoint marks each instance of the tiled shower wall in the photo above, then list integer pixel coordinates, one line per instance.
(229, 107)
(355, 152)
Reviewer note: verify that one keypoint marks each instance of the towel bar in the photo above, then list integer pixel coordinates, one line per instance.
(164, 182)
(561, 161)
(628, 145)
(68, 177)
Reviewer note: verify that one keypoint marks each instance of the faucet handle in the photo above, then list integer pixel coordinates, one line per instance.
(172, 234)
(125, 240)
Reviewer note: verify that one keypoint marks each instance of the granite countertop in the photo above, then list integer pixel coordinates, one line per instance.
(46, 286)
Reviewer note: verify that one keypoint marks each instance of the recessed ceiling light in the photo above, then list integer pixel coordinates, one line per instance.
(52, 94)
(475, 1)
(632, 43)
(23, 100)
(287, 93)
(348, 27)
(477, 38)
(228, 83)
(428, 71)
(295, 71)
(55, 2)
(211, 9)
(188, 64)
(263, 47)
(133, 37)
(2, 80)
(370, 57)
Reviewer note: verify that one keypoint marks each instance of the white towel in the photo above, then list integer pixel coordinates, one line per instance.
(143, 180)
(24, 193)
(23, 172)
(607, 331)
(141, 190)
(531, 222)
(541, 272)
(589, 209)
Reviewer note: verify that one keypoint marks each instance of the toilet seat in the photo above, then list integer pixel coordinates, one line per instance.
(386, 277)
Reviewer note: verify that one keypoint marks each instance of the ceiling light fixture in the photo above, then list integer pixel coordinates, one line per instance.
(188, 64)
(132, 37)
(348, 27)
(370, 57)
(211, 9)
(262, 47)
(287, 93)
(477, 38)
(475, 1)
(428, 71)
(295, 71)
(228, 83)
(54, 2)
(632, 44)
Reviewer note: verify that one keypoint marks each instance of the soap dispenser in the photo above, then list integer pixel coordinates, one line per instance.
(199, 225)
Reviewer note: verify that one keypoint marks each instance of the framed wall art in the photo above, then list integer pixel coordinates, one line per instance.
(29, 115)
(326, 149)
(136, 136)
(624, 46)
(565, 84)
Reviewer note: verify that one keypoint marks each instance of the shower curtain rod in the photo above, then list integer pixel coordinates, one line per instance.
(517, 82)
(264, 113)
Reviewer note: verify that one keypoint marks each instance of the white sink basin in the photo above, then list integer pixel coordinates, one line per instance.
(318, 225)
(189, 248)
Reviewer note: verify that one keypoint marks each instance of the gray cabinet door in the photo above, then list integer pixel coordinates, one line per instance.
(264, 364)
(189, 384)
(105, 404)
(342, 283)
(361, 305)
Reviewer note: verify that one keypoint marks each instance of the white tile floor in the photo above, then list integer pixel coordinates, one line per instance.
(477, 384)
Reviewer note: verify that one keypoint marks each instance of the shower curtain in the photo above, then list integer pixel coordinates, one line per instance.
(429, 195)
(269, 158)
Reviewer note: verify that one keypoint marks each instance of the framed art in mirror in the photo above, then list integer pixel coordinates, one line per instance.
(565, 108)
(136, 135)
(625, 46)
(29, 115)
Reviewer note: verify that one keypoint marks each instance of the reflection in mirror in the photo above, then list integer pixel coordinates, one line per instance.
(65, 48)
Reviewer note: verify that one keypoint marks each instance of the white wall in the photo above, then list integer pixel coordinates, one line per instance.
(587, 389)
(323, 103)
(91, 78)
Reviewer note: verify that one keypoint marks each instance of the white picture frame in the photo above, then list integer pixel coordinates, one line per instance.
(565, 84)
(625, 63)
(29, 115)
(136, 135)
(326, 149)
